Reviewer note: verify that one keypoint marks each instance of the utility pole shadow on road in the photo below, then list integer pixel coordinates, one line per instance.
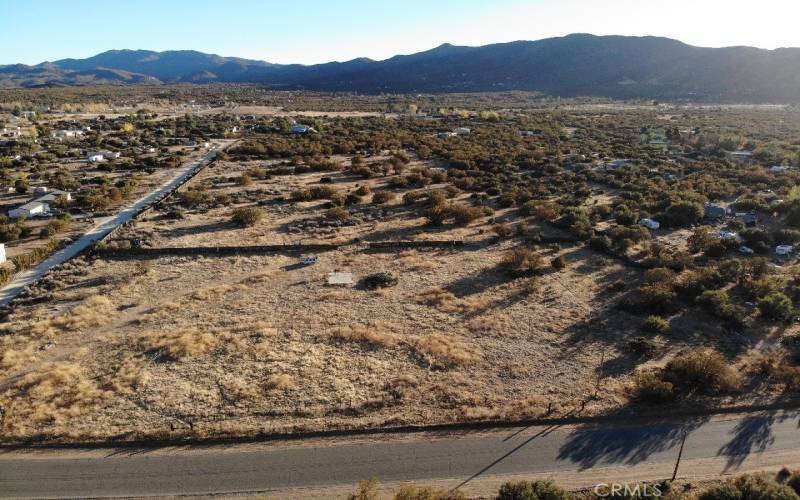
(542, 433)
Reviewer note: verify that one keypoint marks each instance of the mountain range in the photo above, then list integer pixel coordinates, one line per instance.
(574, 65)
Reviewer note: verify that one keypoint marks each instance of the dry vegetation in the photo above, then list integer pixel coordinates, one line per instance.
(557, 304)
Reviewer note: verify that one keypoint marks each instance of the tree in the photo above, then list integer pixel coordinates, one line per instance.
(21, 185)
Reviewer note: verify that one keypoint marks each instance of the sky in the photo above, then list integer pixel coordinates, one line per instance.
(314, 31)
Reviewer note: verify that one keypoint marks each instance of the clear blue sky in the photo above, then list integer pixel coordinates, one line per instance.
(312, 31)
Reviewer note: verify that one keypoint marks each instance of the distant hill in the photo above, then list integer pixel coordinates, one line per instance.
(580, 64)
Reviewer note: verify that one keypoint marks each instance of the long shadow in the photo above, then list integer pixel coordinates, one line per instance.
(474, 284)
(205, 228)
(753, 434)
(542, 433)
(591, 445)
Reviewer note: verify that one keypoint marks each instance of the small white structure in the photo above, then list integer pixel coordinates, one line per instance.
(783, 249)
(746, 250)
(338, 278)
(309, 260)
(779, 169)
(650, 223)
(29, 210)
(445, 135)
(2, 253)
(462, 131)
(95, 157)
(725, 235)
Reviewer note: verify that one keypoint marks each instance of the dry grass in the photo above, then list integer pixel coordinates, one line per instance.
(442, 352)
(378, 335)
(447, 302)
(54, 394)
(94, 311)
(280, 382)
(179, 344)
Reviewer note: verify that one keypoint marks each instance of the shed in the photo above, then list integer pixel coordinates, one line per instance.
(95, 157)
(338, 278)
(2, 253)
(783, 249)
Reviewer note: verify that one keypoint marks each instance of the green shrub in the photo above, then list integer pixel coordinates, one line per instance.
(558, 262)
(642, 345)
(718, 303)
(660, 275)
(750, 487)
(777, 306)
(655, 298)
(463, 214)
(337, 213)
(705, 370)
(521, 262)
(502, 230)
(531, 490)
(414, 492)
(247, 216)
(600, 243)
(383, 197)
(652, 388)
(655, 324)
(382, 279)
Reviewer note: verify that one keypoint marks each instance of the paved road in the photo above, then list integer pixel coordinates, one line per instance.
(103, 227)
(476, 461)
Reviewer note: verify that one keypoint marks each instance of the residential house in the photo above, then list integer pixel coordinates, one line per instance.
(68, 134)
(30, 210)
(94, 157)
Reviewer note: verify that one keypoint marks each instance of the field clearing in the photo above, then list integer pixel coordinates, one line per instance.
(207, 346)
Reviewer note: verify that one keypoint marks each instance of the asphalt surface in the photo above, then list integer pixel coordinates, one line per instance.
(103, 226)
(712, 447)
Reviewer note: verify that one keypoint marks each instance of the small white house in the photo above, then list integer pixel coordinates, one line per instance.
(30, 210)
(95, 157)
(783, 249)
(462, 131)
(650, 223)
